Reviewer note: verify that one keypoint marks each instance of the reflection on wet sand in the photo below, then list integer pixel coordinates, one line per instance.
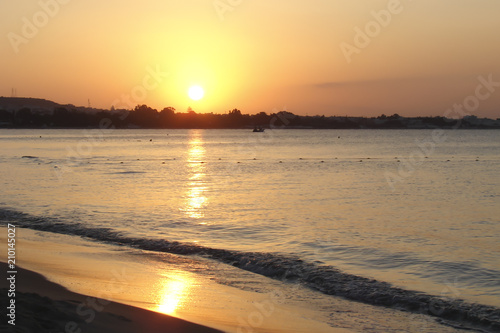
(173, 292)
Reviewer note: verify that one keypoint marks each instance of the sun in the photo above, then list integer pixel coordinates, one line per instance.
(196, 93)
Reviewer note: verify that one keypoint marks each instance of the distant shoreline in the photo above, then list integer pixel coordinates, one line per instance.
(249, 129)
(25, 113)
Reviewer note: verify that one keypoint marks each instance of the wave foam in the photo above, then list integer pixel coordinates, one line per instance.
(289, 269)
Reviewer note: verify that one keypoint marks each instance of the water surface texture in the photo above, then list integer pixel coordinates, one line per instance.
(418, 209)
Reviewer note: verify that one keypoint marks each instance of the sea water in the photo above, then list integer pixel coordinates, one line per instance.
(391, 210)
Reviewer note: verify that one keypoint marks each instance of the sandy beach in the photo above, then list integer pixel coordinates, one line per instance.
(43, 306)
(71, 284)
(111, 290)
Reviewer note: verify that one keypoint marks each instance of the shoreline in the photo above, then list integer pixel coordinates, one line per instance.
(160, 284)
(168, 284)
(101, 277)
(42, 305)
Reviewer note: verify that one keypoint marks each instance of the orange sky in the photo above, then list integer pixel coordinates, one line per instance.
(331, 57)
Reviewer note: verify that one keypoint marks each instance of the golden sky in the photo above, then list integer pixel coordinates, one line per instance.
(331, 57)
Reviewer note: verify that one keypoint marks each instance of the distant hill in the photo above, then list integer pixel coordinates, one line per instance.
(16, 103)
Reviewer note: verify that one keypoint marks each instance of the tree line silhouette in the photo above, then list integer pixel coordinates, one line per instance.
(144, 116)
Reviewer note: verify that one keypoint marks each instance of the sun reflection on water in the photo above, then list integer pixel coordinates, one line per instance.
(196, 200)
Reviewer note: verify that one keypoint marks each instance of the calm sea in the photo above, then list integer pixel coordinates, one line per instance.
(416, 209)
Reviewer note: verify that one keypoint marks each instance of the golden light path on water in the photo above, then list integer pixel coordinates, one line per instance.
(175, 288)
(196, 200)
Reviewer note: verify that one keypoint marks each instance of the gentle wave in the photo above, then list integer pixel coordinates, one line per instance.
(287, 268)
(125, 172)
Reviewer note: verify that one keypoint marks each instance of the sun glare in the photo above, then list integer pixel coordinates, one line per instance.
(172, 297)
(196, 93)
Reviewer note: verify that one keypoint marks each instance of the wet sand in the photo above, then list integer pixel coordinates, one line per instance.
(113, 290)
(43, 306)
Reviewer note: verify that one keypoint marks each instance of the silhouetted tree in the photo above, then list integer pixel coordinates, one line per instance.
(23, 117)
(261, 119)
(234, 119)
(147, 117)
(144, 116)
(61, 117)
(235, 113)
(167, 117)
(6, 117)
(168, 110)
